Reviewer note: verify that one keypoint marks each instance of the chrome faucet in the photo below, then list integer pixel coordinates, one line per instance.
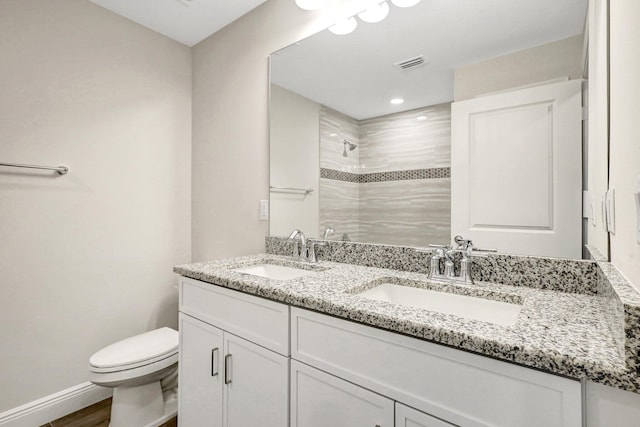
(329, 231)
(303, 248)
(299, 244)
(311, 253)
(465, 247)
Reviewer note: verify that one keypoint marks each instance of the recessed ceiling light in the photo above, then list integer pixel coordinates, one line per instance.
(344, 26)
(421, 118)
(375, 13)
(397, 101)
(405, 3)
(310, 4)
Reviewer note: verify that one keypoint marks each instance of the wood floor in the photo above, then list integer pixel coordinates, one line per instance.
(96, 415)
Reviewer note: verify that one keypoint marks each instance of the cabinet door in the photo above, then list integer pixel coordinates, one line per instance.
(320, 400)
(409, 417)
(257, 385)
(200, 376)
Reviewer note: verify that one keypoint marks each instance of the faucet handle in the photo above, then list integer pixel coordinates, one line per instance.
(329, 231)
(312, 250)
(431, 245)
(485, 250)
(480, 253)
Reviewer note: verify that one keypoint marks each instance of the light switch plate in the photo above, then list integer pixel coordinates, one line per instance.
(610, 209)
(264, 210)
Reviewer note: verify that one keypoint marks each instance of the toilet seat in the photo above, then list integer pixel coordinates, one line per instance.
(157, 346)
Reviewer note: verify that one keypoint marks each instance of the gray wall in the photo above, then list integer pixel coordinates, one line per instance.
(562, 58)
(86, 258)
(230, 169)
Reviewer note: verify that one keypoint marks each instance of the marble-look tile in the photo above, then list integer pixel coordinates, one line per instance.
(409, 213)
(403, 169)
(400, 142)
(334, 128)
(558, 332)
(339, 208)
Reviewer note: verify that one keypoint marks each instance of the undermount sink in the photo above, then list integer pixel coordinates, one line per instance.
(468, 307)
(275, 272)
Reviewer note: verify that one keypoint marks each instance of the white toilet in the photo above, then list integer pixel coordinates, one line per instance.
(143, 370)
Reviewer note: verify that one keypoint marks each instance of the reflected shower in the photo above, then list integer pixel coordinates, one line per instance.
(349, 144)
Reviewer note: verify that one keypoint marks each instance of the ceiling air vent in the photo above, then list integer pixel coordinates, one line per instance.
(414, 62)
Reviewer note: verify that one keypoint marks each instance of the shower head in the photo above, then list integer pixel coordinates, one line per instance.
(349, 144)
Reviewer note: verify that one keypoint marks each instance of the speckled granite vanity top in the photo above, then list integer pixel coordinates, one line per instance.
(563, 333)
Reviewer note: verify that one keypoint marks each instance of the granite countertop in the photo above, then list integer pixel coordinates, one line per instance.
(557, 332)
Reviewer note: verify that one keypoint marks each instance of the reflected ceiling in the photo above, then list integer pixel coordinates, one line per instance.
(449, 33)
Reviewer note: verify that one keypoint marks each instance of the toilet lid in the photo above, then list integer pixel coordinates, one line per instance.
(155, 344)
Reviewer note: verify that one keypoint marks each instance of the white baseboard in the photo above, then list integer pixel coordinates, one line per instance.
(54, 406)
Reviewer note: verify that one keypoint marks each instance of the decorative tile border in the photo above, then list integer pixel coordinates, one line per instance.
(399, 175)
(339, 175)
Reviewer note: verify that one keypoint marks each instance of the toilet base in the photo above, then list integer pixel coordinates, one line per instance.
(142, 405)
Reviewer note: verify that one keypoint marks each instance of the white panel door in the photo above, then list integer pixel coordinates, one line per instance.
(516, 170)
(200, 376)
(322, 400)
(257, 385)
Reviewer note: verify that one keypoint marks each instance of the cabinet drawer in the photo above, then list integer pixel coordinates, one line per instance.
(409, 417)
(261, 321)
(462, 388)
(322, 400)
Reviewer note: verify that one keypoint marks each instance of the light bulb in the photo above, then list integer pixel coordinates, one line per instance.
(310, 4)
(397, 101)
(375, 13)
(344, 26)
(405, 3)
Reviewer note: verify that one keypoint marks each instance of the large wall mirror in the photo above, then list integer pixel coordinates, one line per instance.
(361, 124)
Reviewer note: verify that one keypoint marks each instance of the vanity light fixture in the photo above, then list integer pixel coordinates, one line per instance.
(405, 3)
(397, 101)
(344, 26)
(375, 13)
(310, 4)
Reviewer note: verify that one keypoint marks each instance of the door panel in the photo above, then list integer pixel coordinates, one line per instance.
(257, 389)
(200, 382)
(516, 170)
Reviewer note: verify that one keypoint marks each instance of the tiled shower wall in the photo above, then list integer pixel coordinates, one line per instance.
(395, 188)
(339, 198)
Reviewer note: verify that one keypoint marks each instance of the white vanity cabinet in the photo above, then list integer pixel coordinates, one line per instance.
(225, 379)
(451, 385)
(289, 366)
